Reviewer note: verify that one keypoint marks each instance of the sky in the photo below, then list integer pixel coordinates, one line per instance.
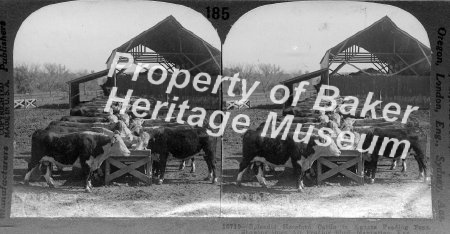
(293, 35)
(296, 35)
(81, 35)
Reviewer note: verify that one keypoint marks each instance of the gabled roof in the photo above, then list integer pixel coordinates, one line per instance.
(388, 42)
(176, 44)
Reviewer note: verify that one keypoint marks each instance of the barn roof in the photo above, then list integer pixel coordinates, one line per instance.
(389, 43)
(176, 44)
(89, 77)
(304, 77)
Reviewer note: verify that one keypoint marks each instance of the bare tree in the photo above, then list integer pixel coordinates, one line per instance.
(270, 75)
(56, 75)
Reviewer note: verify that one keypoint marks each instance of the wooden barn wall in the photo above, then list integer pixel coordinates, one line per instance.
(143, 88)
(404, 90)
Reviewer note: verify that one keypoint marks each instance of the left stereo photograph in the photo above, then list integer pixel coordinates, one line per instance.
(113, 114)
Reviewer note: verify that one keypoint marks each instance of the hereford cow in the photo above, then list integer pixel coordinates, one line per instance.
(90, 147)
(276, 152)
(183, 143)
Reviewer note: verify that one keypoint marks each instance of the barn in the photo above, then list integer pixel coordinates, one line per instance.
(399, 66)
(170, 45)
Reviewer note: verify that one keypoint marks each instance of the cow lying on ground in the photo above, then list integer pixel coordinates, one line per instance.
(91, 148)
(183, 143)
(277, 152)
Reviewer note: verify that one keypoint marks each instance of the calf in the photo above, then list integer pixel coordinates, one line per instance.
(275, 152)
(90, 147)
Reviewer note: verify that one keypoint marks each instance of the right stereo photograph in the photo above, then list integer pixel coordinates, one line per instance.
(335, 97)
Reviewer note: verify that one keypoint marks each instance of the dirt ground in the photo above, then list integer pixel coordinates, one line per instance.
(394, 195)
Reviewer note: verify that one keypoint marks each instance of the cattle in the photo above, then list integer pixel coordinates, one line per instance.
(183, 142)
(87, 111)
(397, 133)
(109, 126)
(90, 148)
(83, 119)
(276, 152)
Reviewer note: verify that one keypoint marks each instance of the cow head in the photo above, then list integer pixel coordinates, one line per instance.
(142, 143)
(125, 118)
(123, 130)
(115, 147)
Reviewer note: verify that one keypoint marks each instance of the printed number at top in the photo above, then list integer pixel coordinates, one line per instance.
(217, 13)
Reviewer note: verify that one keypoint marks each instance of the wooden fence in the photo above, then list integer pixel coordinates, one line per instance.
(404, 90)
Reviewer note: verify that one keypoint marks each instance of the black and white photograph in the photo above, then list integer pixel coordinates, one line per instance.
(355, 73)
(96, 131)
(224, 116)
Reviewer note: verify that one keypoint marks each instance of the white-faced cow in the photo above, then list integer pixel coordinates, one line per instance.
(90, 147)
(278, 152)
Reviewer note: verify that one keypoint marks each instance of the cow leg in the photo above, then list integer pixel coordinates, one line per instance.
(372, 168)
(88, 186)
(48, 176)
(210, 162)
(193, 165)
(242, 168)
(299, 174)
(26, 180)
(300, 185)
(422, 166)
(260, 175)
(162, 167)
(372, 173)
(210, 159)
(182, 165)
(87, 173)
(155, 169)
(394, 164)
(404, 165)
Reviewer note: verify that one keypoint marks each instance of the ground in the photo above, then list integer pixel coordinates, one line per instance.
(394, 194)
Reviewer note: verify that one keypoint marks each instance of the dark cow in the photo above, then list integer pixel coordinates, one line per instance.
(109, 126)
(276, 152)
(399, 134)
(83, 119)
(182, 142)
(88, 111)
(90, 147)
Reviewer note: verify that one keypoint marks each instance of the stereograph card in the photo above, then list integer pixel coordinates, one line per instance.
(251, 117)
